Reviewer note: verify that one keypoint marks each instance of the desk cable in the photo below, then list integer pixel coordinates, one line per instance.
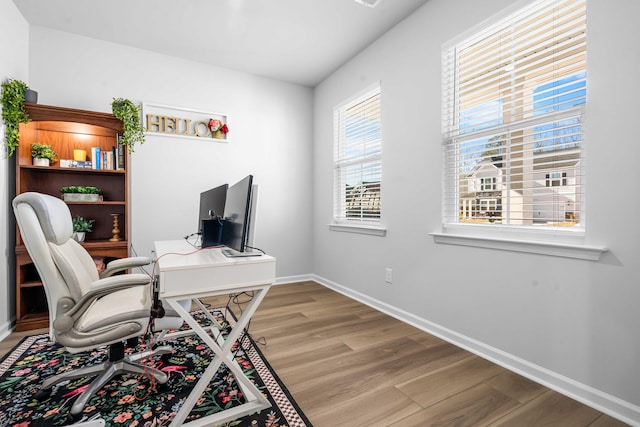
(236, 299)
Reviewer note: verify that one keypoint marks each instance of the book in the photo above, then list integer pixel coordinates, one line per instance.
(96, 158)
(109, 163)
(116, 157)
(107, 160)
(121, 153)
(83, 164)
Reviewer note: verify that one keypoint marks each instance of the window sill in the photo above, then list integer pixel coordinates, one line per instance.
(372, 230)
(591, 253)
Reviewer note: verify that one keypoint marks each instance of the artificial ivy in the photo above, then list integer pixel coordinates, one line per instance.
(13, 112)
(129, 114)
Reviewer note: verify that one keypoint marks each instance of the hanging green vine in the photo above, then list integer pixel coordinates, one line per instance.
(13, 112)
(129, 113)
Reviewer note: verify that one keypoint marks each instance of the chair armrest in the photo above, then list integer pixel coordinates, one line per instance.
(64, 320)
(124, 264)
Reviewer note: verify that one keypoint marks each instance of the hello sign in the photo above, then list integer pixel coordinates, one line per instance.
(174, 121)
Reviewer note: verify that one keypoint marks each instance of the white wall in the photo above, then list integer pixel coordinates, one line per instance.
(14, 45)
(270, 137)
(570, 323)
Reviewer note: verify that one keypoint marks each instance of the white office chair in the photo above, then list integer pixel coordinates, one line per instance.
(86, 310)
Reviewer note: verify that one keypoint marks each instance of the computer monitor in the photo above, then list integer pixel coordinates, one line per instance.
(238, 218)
(212, 204)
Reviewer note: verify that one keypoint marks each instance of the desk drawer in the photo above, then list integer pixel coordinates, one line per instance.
(202, 280)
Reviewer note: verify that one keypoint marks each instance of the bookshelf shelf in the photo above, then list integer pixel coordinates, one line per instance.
(55, 169)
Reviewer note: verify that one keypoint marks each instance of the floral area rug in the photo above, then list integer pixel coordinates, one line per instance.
(130, 400)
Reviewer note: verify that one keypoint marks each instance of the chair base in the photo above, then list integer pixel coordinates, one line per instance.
(104, 372)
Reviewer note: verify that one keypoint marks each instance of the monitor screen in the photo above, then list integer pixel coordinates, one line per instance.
(237, 215)
(212, 204)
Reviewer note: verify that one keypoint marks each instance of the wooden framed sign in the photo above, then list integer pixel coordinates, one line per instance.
(183, 122)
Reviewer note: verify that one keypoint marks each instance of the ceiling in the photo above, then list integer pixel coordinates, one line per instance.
(299, 41)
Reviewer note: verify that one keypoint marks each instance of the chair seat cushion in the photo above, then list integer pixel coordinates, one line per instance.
(124, 306)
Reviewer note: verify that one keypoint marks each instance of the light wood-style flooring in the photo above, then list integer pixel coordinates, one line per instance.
(347, 364)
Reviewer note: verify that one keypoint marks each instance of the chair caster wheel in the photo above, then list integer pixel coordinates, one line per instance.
(43, 394)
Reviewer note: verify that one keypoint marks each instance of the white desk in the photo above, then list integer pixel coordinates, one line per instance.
(187, 274)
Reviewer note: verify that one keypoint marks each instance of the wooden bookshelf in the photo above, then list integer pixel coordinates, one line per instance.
(66, 129)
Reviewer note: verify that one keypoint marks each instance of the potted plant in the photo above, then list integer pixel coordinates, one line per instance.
(79, 193)
(129, 113)
(81, 226)
(42, 154)
(13, 112)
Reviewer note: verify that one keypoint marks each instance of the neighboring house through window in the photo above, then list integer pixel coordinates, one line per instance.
(357, 161)
(513, 120)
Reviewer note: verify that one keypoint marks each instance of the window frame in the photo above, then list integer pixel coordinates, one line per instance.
(521, 238)
(371, 157)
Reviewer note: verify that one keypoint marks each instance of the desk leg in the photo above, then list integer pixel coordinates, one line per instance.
(255, 399)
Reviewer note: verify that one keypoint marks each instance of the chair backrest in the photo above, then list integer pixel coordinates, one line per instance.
(65, 267)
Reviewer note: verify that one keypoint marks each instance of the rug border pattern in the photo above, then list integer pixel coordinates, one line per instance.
(288, 407)
(16, 352)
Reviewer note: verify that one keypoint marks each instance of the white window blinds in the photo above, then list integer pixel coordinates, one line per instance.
(357, 162)
(513, 101)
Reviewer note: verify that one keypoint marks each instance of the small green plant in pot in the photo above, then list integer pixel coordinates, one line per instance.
(79, 193)
(82, 189)
(13, 112)
(129, 113)
(42, 154)
(81, 226)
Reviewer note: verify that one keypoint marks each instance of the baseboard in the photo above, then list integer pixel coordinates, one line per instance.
(294, 279)
(5, 329)
(603, 402)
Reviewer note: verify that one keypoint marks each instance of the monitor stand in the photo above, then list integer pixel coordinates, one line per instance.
(232, 253)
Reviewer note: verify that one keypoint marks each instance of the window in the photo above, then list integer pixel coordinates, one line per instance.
(357, 162)
(487, 205)
(556, 179)
(488, 184)
(513, 116)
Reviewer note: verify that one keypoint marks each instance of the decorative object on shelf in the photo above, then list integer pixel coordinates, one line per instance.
(219, 130)
(31, 96)
(129, 113)
(116, 228)
(13, 112)
(77, 193)
(42, 154)
(79, 155)
(81, 226)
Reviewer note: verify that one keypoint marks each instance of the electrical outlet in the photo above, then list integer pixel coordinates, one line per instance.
(388, 276)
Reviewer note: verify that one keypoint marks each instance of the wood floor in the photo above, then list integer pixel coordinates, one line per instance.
(349, 365)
